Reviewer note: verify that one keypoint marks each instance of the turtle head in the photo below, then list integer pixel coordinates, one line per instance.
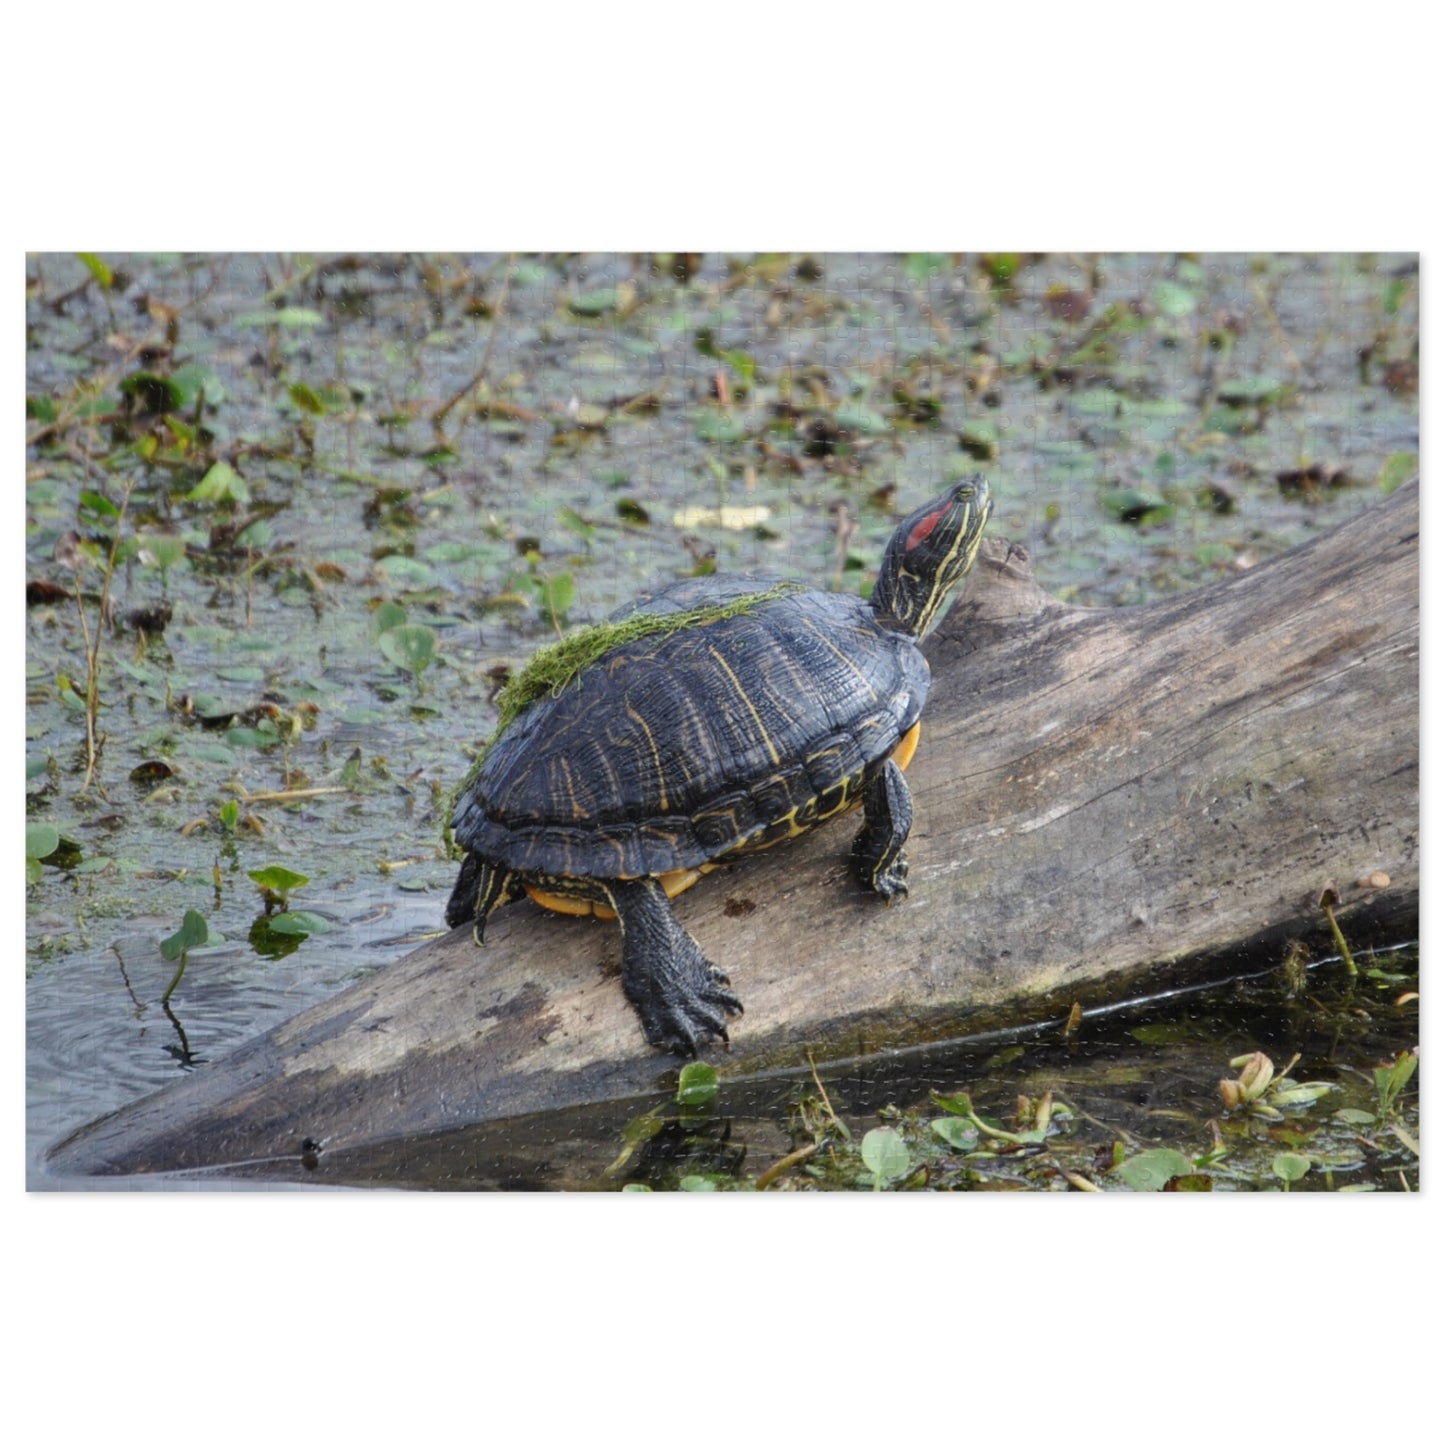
(928, 556)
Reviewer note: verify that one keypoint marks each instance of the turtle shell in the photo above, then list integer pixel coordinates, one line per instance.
(676, 748)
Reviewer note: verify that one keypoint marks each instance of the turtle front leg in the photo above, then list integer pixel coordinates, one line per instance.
(680, 997)
(878, 848)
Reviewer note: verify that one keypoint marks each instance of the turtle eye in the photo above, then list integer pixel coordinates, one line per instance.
(921, 528)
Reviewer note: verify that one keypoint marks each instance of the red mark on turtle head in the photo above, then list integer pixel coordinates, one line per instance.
(921, 528)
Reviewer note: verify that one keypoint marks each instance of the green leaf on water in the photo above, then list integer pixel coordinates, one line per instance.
(717, 426)
(387, 615)
(741, 363)
(1399, 467)
(1214, 554)
(299, 923)
(41, 840)
(954, 1103)
(251, 738)
(980, 440)
(192, 933)
(956, 1133)
(594, 303)
(221, 484)
(885, 1154)
(1096, 401)
(1250, 390)
(1174, 300)
(287, 316)
(98, 505)
(410, 647)
(1290, 1167)
(1299, 1096)
(193, 381)
(922, 266)
(696, 1084)
(163, 550)
(276, 879)
(447, 554)
(558, 594)
(1354, 1116)
(862, 419)
(305, 398)
(1150, 1171)
(406, 571)
(575, 522)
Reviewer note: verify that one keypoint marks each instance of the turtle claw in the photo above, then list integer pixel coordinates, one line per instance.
(679, 1013)
(682, 999)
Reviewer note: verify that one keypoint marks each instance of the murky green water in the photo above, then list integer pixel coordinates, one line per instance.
(299, 455)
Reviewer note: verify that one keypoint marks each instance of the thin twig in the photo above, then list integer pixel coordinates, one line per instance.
(940, 327)
(441, 413)
(92, 641)
(1266, 303)
(786, 1163)
(823, 1093)
(287, 794)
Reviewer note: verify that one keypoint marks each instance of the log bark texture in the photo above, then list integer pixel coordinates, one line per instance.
(1107, 802)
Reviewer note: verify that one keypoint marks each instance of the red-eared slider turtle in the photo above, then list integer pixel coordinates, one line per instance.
(713, 718)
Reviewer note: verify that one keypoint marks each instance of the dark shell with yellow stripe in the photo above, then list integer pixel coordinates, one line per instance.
(673, 750)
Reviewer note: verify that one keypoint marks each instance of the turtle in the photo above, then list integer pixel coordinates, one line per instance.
(720, 717)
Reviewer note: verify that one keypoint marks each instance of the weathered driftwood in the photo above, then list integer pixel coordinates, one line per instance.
(1107, 802)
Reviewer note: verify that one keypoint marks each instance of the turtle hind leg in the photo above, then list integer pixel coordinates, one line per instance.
(481, 888)
(878, 848)
(680, 997)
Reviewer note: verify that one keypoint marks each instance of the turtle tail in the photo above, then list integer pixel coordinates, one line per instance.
(480, 887)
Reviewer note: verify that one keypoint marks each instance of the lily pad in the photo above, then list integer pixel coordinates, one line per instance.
(299, 922)
(41, 840)
(717, 426)
(1150, 1171)
(956, 1133)
(410, 647)
(885, 1154)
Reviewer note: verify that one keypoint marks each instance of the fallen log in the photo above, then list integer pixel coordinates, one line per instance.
(1107, 802)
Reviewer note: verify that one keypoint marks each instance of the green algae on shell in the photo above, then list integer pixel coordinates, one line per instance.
(551, 668)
